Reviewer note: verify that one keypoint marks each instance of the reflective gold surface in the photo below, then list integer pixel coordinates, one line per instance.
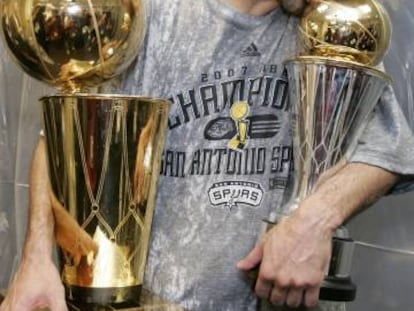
(73, 45)
(355, 30)
(104, 155)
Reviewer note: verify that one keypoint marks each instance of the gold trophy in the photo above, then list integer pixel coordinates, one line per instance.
(332, 89)
(103, 151)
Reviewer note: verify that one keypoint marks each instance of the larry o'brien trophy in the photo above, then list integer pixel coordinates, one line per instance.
(103, 151)
(332, 90)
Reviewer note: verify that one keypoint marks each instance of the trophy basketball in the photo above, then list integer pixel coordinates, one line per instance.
(332, 90)
(104, 151)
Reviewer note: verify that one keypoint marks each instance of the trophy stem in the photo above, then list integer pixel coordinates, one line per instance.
(104, 153)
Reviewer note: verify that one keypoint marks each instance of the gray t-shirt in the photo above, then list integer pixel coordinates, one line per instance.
(206, 56)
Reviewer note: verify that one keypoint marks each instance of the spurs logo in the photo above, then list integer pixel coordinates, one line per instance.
(233, 193)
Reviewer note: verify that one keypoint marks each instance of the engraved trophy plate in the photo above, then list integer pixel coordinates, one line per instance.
(103, 151)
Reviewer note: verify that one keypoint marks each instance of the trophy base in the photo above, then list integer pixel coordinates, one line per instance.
(119, 297)
(337, 289)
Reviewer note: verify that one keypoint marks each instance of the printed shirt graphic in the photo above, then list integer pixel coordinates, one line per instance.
(227, 159)
(230, 193)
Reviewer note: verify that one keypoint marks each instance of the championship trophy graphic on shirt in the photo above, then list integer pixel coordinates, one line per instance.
(104, 151)
(332, 90)
(239, 112)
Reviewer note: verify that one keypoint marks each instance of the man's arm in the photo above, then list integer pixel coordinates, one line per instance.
(37, 282)
(39, 240)
(295, 253)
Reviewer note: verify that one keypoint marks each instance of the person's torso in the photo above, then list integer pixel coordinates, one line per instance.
(228, 153)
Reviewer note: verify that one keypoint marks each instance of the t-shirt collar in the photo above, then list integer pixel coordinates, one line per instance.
(244, 20)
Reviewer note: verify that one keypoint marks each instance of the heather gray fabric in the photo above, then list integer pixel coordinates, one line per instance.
(205, 56)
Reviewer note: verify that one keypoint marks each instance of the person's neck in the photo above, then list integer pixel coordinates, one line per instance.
(254, 7)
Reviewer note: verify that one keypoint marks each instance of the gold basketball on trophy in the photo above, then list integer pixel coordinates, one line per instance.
(354, 30)
(73, 44)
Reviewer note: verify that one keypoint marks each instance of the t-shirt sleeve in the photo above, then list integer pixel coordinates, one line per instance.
(388, 141)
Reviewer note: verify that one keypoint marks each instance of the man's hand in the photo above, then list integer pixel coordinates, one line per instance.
(294, 255)
(36, 284)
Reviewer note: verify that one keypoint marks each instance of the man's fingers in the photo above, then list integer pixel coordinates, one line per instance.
(294, 297)
(311, 297)
(278, 296)
(263, 289)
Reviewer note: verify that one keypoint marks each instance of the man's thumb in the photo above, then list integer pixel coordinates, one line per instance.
(252, 259)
